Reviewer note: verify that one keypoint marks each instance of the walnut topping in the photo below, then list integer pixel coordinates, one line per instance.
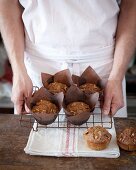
(132, 135)
(90, 87)
(56, 87)
(78, 107)
(128, 136)
(98, 134)
(45, 106)
(96, 137)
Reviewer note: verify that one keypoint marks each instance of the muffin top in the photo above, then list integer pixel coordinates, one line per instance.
(97, 134)
(56, 87)
(78, 107)
(45, 106)
(89, 87)
(128, 136)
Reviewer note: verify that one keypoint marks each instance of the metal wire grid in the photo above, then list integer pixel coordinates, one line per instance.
(96, 118)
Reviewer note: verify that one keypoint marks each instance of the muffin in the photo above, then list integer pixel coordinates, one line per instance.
(97, 137)
(89, 87)
(56, 87)
(78, 107)
(59, 82)
(45, 106)
(127, 139)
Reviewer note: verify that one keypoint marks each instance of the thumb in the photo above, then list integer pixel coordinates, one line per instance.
(27, 109)
(107, 104)
(18, 107)
(15, 111)
(27, 96)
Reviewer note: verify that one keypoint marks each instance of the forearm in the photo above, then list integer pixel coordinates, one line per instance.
(125, 39)
(11, 27)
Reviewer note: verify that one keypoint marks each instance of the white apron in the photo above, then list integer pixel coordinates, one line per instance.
(70, 34)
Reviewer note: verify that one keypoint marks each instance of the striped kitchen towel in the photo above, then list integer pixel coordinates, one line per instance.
(68, 142)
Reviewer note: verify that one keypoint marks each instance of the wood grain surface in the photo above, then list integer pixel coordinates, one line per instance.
(13, 139)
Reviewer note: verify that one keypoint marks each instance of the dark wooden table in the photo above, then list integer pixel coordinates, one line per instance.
(13, 139)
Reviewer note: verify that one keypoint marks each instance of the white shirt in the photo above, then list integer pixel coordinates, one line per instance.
(70, 26)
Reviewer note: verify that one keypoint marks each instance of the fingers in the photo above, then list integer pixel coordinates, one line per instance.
(22, 88)
(27, 109)
(107, 104)
(18, 107)
(28, 92)
(116, 105)
(113, 97)
(18, 99)
(112, 105)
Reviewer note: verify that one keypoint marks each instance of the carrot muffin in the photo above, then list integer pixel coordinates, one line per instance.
(97, 137)
(45, 106)
(56, 87)
(78, 107)
(88, 87)
(127, 139)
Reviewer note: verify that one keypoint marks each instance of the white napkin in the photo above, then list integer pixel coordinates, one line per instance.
(69, 142)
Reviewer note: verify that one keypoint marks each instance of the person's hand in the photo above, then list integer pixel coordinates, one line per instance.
(113, 97)
(22, 88)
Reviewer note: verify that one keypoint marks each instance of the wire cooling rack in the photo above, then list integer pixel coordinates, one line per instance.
(96, 118)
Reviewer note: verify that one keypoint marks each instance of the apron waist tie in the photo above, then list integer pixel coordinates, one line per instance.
(103, 53)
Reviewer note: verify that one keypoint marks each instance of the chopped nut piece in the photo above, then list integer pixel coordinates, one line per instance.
(90, 87)
(78, 107)
(56, 87)
(44, 106)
